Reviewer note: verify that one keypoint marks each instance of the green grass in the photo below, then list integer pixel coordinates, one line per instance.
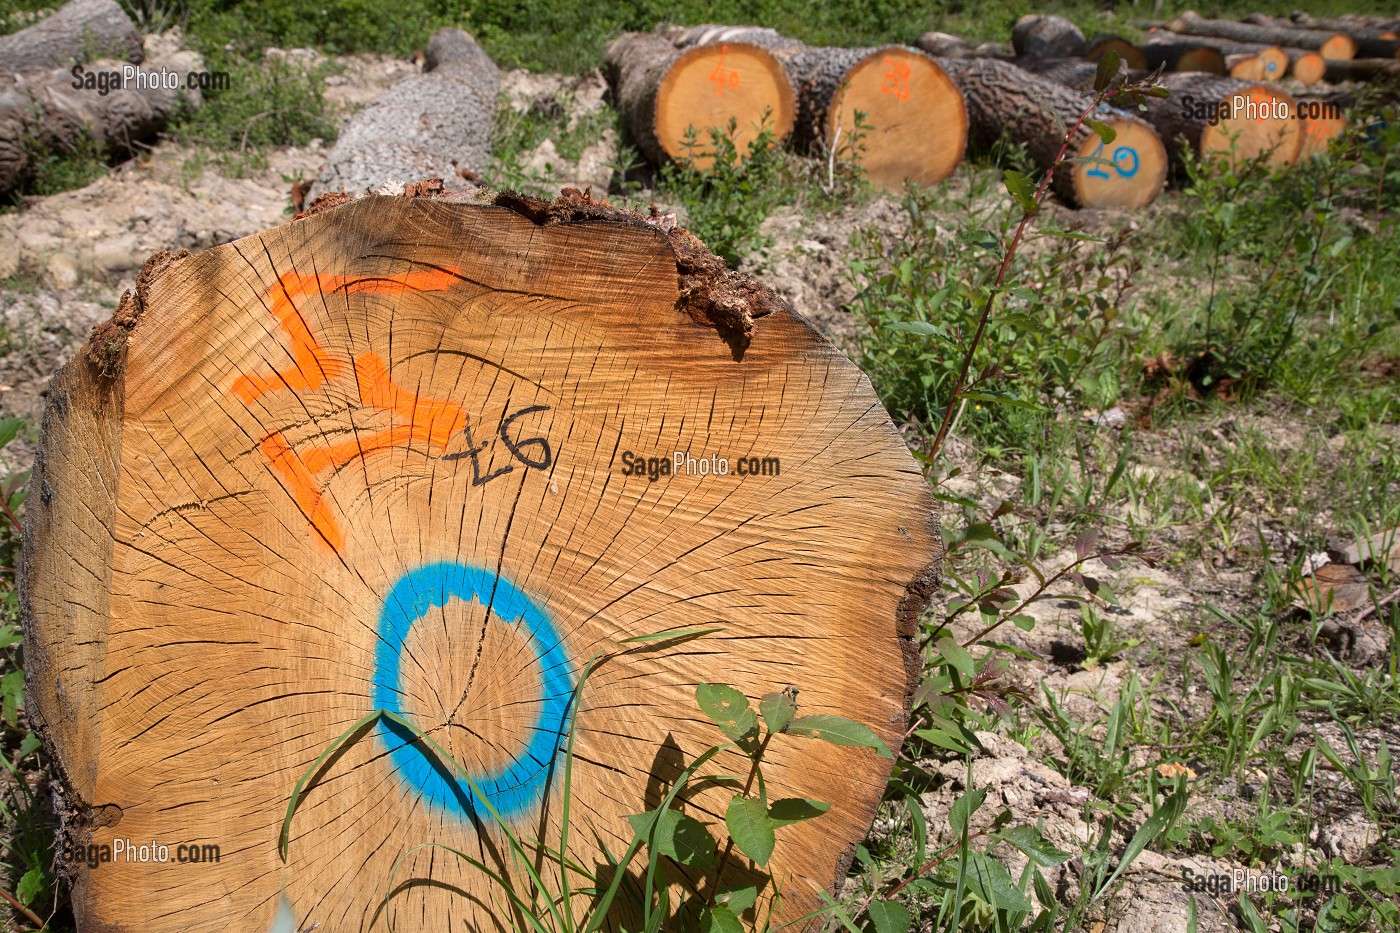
(547, 35)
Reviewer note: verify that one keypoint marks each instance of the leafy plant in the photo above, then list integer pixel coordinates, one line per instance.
(582, 902)
(727, 202)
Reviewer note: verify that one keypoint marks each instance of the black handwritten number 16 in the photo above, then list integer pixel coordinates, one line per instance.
(515, 447)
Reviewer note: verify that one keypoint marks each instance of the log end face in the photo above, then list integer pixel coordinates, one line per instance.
(709, 86)
(1128, 173)
(913, 123)
(1257, 120)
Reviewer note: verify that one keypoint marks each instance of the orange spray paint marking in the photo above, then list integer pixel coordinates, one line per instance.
(429, 421)
(722, 76)
(896, 80)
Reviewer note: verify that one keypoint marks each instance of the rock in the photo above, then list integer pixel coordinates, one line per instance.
(61, 272)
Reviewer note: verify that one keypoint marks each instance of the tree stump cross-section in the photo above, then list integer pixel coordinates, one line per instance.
(381, 458)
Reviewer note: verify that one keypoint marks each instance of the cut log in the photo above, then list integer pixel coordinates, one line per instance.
(1224, 118)
(946, 45)
(1307, 67)
(1369, 44)
(394, 456)
(912, 121)
(1271, 61)
(1322, 120)
(1179, 55)
(1073, 72)
(1047, 36)
(1130, 171)
(43, 112)
(672, 99)
(1360, 69)
(77, 33)
(1350, 23)
(427, 125)
(1334, 45)
(1130, 54)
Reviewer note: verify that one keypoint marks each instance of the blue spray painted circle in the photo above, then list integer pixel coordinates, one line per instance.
(519, 785)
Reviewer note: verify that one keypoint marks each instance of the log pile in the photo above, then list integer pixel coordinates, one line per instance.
(1128, 172)
(114, 106)
(378, 459)
(673, 98)
(862, 104)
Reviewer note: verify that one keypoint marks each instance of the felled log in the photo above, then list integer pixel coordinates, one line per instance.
(946, 45)
(1129, 53)
(43, 112)
(672, 99)
(1228, 119)
(427, 125)
(1002, 97)
(1252, 61)
(1334, 45)
(1323, 119)
(913, 125)
(1046, 36)
(382, 458)
(1350, 23)
(1360, 69)
(79, 32)
(1369, 44)
(1178, 55)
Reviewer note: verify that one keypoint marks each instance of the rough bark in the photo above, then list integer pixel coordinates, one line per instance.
(664, 89)
(1331, 44)
(1176, 55)
(637, 61)
(1002, 97)
(1181, 127)
(426, 126)
(380, 458)
(1074, 73)
(1046, 36)
(78, 32)
(42, 111)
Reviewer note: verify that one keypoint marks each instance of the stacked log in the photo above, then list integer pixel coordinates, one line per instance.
(1323, 119)
(1179, 55)
(1361, 69)
(1250, 119)
(1129, 172)
(1369, 43)
(1351, 23)
(427, 125)
(1128, 53)
(1047, 37)
(1229, 119)
(114, 105)
(324, 471)
(891, 109)
(1331, 45)
(673, 98)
